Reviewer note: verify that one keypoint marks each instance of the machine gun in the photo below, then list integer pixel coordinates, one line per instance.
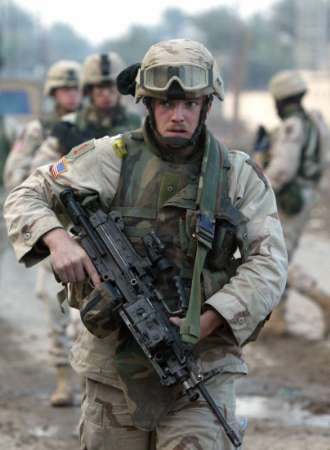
(129, 279)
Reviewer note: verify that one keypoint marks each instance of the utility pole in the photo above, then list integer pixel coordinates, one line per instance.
(312, 49)
(238, 67)
(2, 33)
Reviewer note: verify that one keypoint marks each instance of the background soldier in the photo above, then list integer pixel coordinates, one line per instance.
(4, 146)
(103, 115)
(157, 179)
(293, 158)
(62, 84)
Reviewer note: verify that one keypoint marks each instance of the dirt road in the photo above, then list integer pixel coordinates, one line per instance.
(286, 396)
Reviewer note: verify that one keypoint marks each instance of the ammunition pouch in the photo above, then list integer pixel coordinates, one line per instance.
(290, 198)
(98, 312)
(224, 245)
(221, 265)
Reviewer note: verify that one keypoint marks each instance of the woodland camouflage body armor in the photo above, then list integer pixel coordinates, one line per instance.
(161, 196)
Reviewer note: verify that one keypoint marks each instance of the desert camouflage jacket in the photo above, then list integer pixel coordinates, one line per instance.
(287, 145)
(19, 162)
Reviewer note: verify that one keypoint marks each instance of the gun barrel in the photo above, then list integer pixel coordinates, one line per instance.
(230, 432)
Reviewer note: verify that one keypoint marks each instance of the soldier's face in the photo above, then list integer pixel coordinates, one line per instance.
(105, 96)
(177, 118)
(68, 98)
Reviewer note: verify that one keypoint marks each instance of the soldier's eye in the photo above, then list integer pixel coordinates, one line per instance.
(191, 104)
(165, 104)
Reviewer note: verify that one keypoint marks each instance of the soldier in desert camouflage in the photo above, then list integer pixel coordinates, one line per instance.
(293, 161)
(63, 86)
(155, 178)
(103, 115)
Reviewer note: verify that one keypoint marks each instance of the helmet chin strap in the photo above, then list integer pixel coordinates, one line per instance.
(175, 143)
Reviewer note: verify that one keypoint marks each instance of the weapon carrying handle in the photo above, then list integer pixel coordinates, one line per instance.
(68, 198)
(80, 218)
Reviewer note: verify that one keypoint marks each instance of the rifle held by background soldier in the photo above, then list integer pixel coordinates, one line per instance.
(261, 146)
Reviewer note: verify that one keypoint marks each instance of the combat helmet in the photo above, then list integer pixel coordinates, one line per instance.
(286, 84)
(187, 62)
(100, 68)
(62, 74)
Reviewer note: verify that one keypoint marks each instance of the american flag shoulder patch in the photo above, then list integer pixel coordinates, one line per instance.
(59, 167)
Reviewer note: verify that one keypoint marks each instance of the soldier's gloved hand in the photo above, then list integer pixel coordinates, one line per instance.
(69, 260)
(210, 321)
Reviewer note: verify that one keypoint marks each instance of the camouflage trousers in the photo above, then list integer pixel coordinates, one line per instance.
(59, 322)
(106, 423)
(293, 225)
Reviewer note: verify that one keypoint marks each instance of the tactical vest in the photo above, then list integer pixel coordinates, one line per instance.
(310, 167)
(290, 198)
(48, 123)
(160, 195)
(86, 125)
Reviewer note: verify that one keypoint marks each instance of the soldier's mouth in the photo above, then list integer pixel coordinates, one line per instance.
(180, 131)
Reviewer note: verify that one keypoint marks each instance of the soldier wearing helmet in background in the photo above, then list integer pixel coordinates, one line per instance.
(170, 176)
(63, 85)
(103, 115)
(293, 158)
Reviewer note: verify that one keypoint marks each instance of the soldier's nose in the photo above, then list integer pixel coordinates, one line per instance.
(177, 115)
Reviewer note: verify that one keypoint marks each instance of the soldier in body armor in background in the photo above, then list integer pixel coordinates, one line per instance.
(4, 151)
(63, 85)
(104, 114)
(168, 176)
(293, 158)
(4, 147)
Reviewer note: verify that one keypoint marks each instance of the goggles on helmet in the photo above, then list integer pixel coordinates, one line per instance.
(191, 77)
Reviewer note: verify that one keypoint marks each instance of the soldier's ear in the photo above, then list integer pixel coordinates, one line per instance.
(126, 79)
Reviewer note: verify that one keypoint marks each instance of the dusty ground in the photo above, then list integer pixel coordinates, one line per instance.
(286, 395)
(26, 378)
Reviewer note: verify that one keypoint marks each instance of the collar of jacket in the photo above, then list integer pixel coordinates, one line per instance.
(176, 156)
(49, 120)
(291, 110)
(104, 119)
